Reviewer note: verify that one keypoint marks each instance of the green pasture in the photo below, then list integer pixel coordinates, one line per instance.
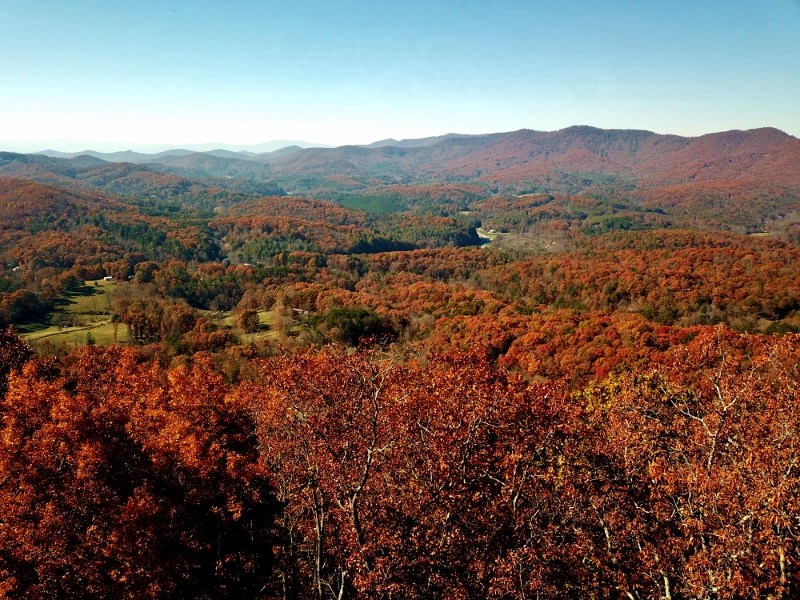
(84, 316)
(80, 317)
(265, 319)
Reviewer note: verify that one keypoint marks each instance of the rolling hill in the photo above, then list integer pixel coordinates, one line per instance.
(516, 157)
(525, 155)
(746, 181)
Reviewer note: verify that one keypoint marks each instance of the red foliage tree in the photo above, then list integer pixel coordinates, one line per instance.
(413, 480)
(14, 352)
(691, 481)
(121, 480)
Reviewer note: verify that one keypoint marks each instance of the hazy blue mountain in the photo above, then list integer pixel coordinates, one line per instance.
(418, 142)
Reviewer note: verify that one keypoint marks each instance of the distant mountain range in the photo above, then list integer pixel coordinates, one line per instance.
(257, 151)
(570, 160)
(747, 180)
(418, 142)
(517, 156)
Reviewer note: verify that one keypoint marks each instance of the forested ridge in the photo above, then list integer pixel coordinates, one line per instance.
(522, 365)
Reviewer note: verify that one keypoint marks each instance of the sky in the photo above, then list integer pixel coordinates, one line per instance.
(148, 74)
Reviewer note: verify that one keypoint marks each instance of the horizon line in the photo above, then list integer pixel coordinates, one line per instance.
(158, 147)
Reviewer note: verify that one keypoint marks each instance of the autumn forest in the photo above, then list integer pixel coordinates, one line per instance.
(518, 365)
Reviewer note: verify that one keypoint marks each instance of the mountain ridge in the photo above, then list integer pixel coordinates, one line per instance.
(528, 154)
(258, 150)
(521, 160)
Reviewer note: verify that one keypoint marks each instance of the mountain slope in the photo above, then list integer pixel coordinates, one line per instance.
(515, 157)
(525, 155)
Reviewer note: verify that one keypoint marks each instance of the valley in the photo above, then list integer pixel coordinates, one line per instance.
(524, 364)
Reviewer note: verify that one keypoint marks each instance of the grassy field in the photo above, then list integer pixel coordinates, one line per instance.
(265, 318)
(81, 317)
(84, 316)
(227, 319)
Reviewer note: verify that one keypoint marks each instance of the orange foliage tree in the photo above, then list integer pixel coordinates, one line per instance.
(123, 480)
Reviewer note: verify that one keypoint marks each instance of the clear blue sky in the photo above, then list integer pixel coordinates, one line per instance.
(122, 74)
